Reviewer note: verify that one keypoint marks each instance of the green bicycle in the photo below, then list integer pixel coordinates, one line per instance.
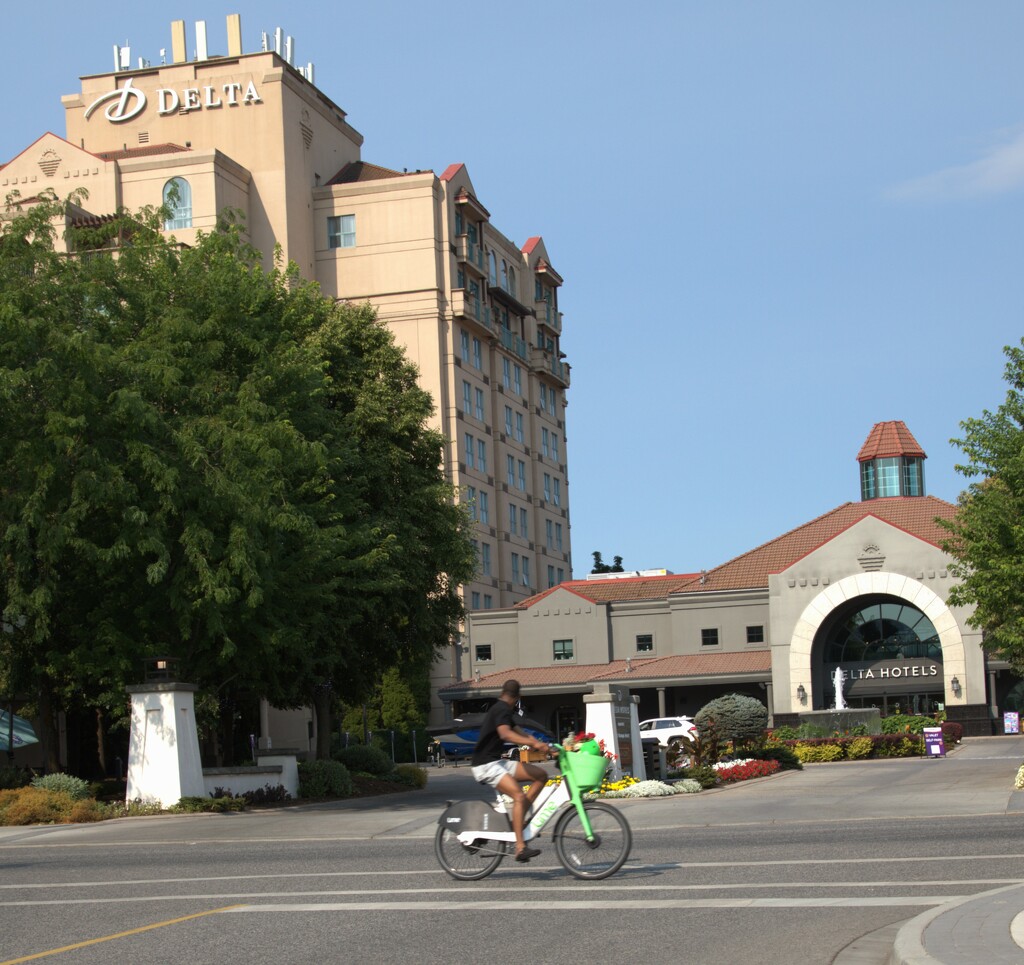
(592, 839)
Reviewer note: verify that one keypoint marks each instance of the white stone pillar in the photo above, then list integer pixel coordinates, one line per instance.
(163, 747)
(612, 717)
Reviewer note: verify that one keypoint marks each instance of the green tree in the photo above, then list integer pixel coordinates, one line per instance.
(205, 460)
(987, 534)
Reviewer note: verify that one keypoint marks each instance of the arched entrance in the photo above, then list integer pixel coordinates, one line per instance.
(807, 686)
(888, 653)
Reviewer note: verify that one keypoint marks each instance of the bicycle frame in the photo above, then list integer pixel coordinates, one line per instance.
(549, 802)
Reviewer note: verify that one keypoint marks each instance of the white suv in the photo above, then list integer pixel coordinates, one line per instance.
(668, 729)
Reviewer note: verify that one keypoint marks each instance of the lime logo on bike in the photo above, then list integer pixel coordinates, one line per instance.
(541, 819)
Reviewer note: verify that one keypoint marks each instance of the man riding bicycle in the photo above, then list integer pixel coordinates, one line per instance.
(489, 767)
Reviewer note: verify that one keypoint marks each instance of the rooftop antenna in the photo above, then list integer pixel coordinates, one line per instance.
(289, 50)
(266, 41)
(703, 577)
(278, 37)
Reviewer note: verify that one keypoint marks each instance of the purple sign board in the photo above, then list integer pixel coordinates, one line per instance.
(933, 743)
(1011, 722)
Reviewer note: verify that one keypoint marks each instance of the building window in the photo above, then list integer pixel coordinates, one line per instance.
(518, 380)
(177, 199)
(549, 538)
(483, 653)
(475, 604)
(645, 643)
(508, 421)
(561, 575)
(555, 454)
(545, 443)
(561, 650)
(524, 529)
(544, 399)
(513, 520)
(464, 345)
(484, 508)
(471, 501)
(556, 496)
(558, 536)
(755, 634)
(341, 231)
(481, 455)
(476, 353)
(551, 577)
(515, 567)
(479, 404)
(488, 601)
(485, 559)
(547, 487)
(470, 451)
(526, 571)
(467, 399)
(519, 427)
(709, 637)
(512, 290)
(521, 475)
(492, 268)
(506, 373)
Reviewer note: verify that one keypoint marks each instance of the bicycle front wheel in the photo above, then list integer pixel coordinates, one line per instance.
(605, 853)
(467, 862)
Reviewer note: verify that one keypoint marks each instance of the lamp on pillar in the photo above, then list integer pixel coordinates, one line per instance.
(159, 668)
(954, 685)
(801, 694)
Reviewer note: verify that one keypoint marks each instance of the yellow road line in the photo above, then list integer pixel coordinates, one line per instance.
(121, 934)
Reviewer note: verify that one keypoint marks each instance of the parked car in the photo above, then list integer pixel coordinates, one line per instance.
(668, 730)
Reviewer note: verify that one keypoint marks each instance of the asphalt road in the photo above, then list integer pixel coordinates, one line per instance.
(787, 869)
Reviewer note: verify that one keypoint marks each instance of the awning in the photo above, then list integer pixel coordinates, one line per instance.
(16, 731)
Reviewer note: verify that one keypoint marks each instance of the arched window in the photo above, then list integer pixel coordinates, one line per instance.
(511, 287)
(177, 199)
(881, 628)
(504, 274)
(492, 268)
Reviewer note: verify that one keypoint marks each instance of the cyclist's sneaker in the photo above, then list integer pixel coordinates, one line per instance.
(527, 853)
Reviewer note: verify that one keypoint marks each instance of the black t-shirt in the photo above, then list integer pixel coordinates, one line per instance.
(490, 746)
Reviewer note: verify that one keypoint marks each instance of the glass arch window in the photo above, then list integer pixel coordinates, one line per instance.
(177, 199)
(881, 628)
(492, 268)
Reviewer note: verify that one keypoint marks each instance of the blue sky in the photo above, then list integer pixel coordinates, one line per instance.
(778, 222)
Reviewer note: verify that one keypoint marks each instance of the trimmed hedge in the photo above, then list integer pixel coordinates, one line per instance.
(320, 779)
(365, 758)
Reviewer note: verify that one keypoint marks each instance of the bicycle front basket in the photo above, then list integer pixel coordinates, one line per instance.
(585, 770)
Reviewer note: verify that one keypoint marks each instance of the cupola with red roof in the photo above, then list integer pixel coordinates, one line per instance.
(891, 463)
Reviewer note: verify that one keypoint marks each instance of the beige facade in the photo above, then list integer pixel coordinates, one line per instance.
(862, 589)
(477, 312)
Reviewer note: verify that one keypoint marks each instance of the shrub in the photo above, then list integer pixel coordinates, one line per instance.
(703, 774)
(201, 805)
(783, 733)
(688, 786)
(818, 753)
(788, 761)
(86, 809)
(12, 777)
(410, 774)
(74, 787)
(34, 805)
(952, 733)
(859, 748)
(367, 758)
(320, 779)
(733, 717)
(897, 745)
(906, 724)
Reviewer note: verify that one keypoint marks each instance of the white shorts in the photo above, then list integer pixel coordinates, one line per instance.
(492, 772)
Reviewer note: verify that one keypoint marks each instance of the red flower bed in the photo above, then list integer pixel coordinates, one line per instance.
(746, 770)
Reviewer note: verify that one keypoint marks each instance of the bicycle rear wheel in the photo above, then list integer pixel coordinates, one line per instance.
(603, 855)
(467, 862)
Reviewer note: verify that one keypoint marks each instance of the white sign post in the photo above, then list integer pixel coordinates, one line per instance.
(612, 717)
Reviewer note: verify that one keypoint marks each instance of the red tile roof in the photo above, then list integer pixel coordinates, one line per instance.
(531, 243)
(450, 171)
(146, 150)
(622, 671)
(913, 514)
(887, 440)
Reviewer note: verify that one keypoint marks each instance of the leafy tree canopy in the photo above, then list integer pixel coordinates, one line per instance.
(205, 460)
(987, 534)
(600, 566)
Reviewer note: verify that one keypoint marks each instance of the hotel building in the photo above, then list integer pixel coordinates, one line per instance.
(476, 312)
(862, 589)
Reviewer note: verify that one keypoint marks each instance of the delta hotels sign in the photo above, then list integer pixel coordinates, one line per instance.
(126, 102)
